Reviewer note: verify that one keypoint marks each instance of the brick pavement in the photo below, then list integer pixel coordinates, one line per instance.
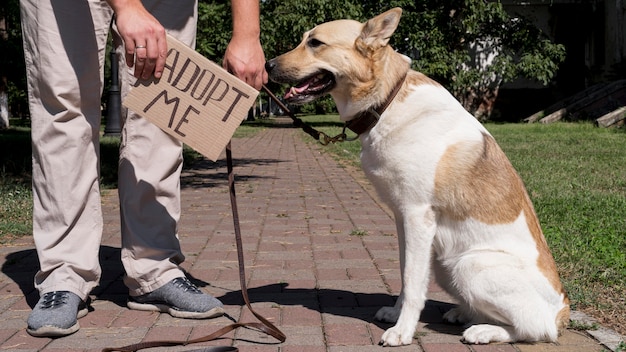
(321, 257)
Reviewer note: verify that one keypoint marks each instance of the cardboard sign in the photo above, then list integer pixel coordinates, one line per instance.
(195, 100)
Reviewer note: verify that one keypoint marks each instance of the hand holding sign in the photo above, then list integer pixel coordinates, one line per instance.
(195, 101)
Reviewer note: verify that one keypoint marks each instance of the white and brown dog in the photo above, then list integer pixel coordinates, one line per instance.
(461, 209)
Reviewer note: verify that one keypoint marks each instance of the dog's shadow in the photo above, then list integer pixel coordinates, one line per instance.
(361, 306)
(21, 267)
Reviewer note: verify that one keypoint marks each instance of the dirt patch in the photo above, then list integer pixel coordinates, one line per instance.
(609, 310)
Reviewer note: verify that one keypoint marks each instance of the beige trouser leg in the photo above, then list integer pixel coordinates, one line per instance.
(149, 176)
(65, 44)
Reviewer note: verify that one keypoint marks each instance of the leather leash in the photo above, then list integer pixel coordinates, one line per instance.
(264, 325)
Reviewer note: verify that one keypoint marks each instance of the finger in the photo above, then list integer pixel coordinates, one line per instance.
(141, 55)
(151, 52)
(161, 58)
(260, 78)
(258, 81)
(129, 53)
(248, 78)
(152, 56)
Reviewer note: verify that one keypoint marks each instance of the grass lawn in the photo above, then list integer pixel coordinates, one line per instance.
(575, 174)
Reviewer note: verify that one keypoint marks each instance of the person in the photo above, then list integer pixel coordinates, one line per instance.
(64, 45)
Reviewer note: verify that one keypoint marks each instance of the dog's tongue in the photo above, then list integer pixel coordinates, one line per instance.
(293, 91)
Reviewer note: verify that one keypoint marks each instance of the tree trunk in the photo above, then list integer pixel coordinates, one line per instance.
(480, 102)
(4, 105)
(4, 90)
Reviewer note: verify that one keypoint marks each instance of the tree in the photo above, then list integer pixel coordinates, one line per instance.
(284, 22)
(214, 29)
(4, 95)
(472, 47)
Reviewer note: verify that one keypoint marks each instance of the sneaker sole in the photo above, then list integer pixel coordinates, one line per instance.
(55, 331)
(163, 308)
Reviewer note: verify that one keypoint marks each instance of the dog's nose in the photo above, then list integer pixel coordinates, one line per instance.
(270, 65)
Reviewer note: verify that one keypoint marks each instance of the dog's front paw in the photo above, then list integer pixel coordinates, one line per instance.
(396, 336)
(457, 316)
(387, 314)
(485, 333)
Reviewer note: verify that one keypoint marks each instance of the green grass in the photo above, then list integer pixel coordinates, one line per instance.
(358, 233)
(15, 210)
(249, 128)
(15, 192)
(575, 174)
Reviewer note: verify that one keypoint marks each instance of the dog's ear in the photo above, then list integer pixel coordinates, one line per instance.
(377, 31)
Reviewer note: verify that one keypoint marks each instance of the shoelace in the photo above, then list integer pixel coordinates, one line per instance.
(54, 299)
(186, 285)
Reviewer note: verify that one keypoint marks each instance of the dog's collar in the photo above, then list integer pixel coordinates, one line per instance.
(368, 118)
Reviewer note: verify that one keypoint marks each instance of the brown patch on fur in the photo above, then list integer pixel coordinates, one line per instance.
(476, 180)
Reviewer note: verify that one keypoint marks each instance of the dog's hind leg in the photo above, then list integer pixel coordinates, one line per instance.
(515, 299)
(461, 314)
(417, 226)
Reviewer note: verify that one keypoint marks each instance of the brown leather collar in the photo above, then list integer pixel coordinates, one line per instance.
(368, 118)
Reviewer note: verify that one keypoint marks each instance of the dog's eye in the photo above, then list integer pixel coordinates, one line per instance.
(314, 43)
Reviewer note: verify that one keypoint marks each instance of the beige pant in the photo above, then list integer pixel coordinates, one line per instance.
(65, 46)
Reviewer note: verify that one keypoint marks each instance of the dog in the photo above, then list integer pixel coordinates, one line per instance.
(461, 210)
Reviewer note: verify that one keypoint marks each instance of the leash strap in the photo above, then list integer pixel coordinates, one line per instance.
(264, 325)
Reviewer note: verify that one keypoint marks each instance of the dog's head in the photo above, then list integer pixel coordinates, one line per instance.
(347, 59)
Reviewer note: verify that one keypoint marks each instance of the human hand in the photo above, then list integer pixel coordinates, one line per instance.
(245, 59)
(144, 38)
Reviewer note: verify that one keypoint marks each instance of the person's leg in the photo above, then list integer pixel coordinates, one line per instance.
(64, 44)
(149, 187)
(149, 176)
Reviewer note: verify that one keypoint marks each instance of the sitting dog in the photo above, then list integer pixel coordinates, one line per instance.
(461, 209)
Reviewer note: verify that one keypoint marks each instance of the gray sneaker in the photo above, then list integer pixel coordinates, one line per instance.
(56, 314)
(179, 298)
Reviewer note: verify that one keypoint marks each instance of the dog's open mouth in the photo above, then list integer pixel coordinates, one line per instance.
(311, 88)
